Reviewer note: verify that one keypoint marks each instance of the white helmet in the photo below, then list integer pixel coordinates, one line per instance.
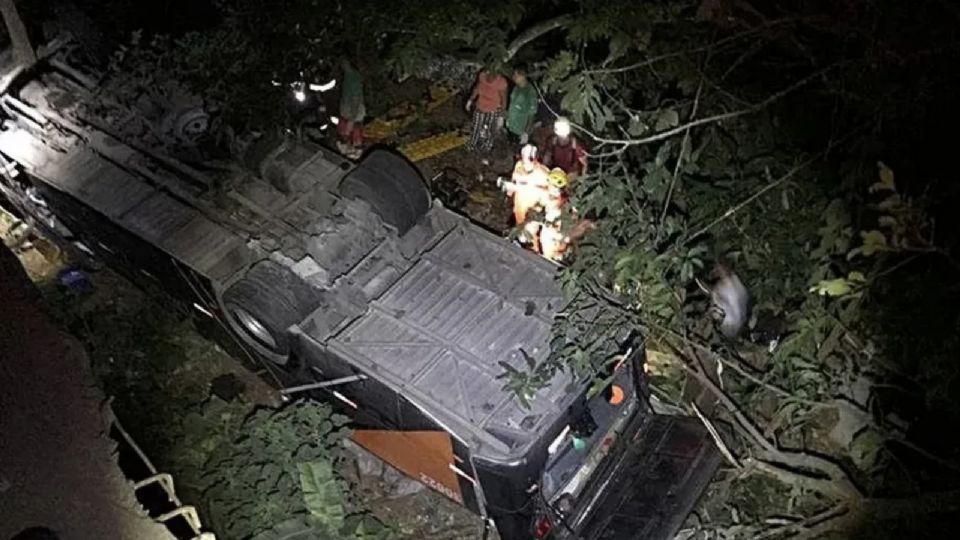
(528, 152)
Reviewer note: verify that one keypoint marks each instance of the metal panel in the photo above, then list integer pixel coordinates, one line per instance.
(158, 217)
(459, 385)
(20, 146)
(512, 273)
(444, 327)
(103, 186)
(78, 172)
(437, 301)
(317, 170)
(202, 244)
(390, 345)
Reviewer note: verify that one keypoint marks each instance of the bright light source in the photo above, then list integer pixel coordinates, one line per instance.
(83, 247)
(300, 95)
(555, 445)
(344, 399)
(323, 87)
(203, 310)
(334, 120)
(561, 127)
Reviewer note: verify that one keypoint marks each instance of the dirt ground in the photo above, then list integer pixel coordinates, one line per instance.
(57, 465)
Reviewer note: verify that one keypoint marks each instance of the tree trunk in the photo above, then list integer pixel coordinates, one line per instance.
(23, 51)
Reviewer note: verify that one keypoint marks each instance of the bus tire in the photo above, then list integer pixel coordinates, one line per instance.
(262, 306)
(392, 186)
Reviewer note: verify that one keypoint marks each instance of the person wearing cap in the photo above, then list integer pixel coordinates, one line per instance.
(523, 106)
(527, 184)
(564, 150)
(488, 101)
(553, 239)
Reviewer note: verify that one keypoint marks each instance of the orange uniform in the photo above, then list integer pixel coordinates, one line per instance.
(528, 189)
(553, 237)
(552, 241)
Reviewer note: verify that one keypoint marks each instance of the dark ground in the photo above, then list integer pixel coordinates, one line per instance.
(57, 465)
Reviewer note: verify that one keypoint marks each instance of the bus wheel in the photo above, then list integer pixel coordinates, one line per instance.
(392, 187)
(263, 305)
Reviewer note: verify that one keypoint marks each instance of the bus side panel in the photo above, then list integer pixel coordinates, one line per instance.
(147, 266)
(508, 502)
(389, 426)
(125, 252)
(512, 490)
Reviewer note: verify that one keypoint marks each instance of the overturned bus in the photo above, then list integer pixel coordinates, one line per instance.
(346, 281)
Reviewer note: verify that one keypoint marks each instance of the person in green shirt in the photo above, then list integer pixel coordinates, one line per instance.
(523, 106)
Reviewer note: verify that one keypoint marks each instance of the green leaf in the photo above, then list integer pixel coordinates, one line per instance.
(832, 287)
(866, 447)
(637, 127)
(891, 202)
(321, 494)
(873, 242)
(598, 385)
(510, 370)
(887, 221)
(531, 362)
(886, 179)
(618, 46)
(668, 118)
(624, 260)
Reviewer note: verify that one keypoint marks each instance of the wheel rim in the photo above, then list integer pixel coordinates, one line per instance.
(254, 328)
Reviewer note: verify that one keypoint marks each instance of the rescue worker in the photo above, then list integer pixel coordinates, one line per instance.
(527, 184)
(552, 241)
(554, 237)
(564, 150)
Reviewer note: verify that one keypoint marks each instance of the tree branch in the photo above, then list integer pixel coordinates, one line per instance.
(808, 470)
(741, 419)
(712, 430)
(715, 118)
(790, 174)
(534, 32)
(818, 471)
(683, 143)
(674, 54)
(826, 518)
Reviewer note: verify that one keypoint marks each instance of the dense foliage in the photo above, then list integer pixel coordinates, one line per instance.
(252, 471)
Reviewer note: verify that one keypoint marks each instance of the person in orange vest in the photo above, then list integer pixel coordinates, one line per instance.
(553, 236)
(527, 184)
